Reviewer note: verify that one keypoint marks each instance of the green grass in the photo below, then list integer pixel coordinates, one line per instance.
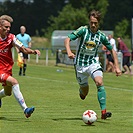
(58, 106)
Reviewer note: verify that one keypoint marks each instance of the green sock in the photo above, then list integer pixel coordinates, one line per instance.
(101, 97)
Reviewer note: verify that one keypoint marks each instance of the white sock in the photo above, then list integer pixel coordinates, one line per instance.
(18, 95)
(2, 93)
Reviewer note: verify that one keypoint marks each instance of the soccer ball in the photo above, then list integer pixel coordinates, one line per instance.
(89, 117)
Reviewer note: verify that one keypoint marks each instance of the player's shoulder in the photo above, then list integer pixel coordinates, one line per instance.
(10, 35)
(26, 34)
(81, 29)
(85, 27)
(101, 33)
(18, 35)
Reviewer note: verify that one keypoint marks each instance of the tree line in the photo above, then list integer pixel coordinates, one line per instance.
(42, 17)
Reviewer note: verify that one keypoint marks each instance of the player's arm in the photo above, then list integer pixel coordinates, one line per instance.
(68, 49)
(73, 36)
(113, 52)
(23, 49)
(29, 51)
(29, 45)
(17, 49)
(117, 69)
(29, 42)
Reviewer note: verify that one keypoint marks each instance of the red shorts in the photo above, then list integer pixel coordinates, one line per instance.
(3, 78)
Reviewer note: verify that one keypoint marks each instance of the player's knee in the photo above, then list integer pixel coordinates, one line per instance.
(99, 83)
(97, 76)
(14, 82)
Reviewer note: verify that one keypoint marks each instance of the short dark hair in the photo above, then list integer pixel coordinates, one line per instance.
(95, 14)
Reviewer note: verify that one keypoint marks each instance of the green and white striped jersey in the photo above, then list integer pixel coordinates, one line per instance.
(87, 48)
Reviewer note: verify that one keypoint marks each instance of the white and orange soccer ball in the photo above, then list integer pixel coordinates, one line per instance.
(89, 117)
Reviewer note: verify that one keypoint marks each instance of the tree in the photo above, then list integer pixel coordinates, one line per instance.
(118, 11)
(33, 15)
(39, 15)
(68, 19)
(74, 15)
(121, 29)
(100, 5)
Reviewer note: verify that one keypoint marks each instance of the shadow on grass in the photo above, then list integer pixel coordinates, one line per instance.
(59, 119)
(102, 121)
(85, 125)
(7, 119)
(72, 119)
(13, 119)
(80, 119)
(99, 121)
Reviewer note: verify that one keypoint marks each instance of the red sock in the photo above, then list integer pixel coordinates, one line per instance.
(103, 111)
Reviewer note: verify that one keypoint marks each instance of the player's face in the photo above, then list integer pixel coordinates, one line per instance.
(22, 30)
(94, 24)
(5, 28)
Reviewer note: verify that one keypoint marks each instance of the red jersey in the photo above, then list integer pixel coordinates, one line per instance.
(124, 49)
(6, 61)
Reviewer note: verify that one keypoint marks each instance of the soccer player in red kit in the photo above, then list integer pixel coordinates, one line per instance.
(9, 83)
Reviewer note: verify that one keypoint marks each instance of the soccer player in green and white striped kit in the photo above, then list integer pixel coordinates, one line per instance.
(86, 58)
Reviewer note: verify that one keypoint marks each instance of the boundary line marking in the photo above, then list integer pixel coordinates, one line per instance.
(121, 89)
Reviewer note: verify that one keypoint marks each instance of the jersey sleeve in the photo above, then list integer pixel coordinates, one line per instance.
(106, 43)
(17, 43)
(77, 33)
(29, 38)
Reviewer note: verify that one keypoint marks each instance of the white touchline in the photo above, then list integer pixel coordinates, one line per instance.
(61, 81)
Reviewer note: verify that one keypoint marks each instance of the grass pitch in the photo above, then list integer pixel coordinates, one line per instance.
(58, 108)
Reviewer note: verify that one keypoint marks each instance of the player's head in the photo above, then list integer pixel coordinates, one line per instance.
(5, 25)
(119, 39)
(94, 19)
(110, 36)
(22, 29)
(6, 18)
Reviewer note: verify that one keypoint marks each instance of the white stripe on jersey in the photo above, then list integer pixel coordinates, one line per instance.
(17, 42)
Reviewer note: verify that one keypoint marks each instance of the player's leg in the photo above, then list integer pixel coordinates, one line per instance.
(24, 69)
(125, 65)
(130, 69)
(129, 65)
(83, 82)
(111, 63)
(20, 71)
(101, 94)
(83, 91)
(13, 83)
(25, 64)
(108, 67)
(2, 95)
(125, 69)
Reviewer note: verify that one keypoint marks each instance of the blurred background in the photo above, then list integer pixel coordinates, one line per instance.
(43, 17)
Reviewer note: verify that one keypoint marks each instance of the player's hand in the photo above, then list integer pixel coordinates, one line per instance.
(37, 52)
(118, 72)
(71, 55)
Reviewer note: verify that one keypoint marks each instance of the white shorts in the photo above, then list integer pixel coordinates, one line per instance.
(83, 72)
